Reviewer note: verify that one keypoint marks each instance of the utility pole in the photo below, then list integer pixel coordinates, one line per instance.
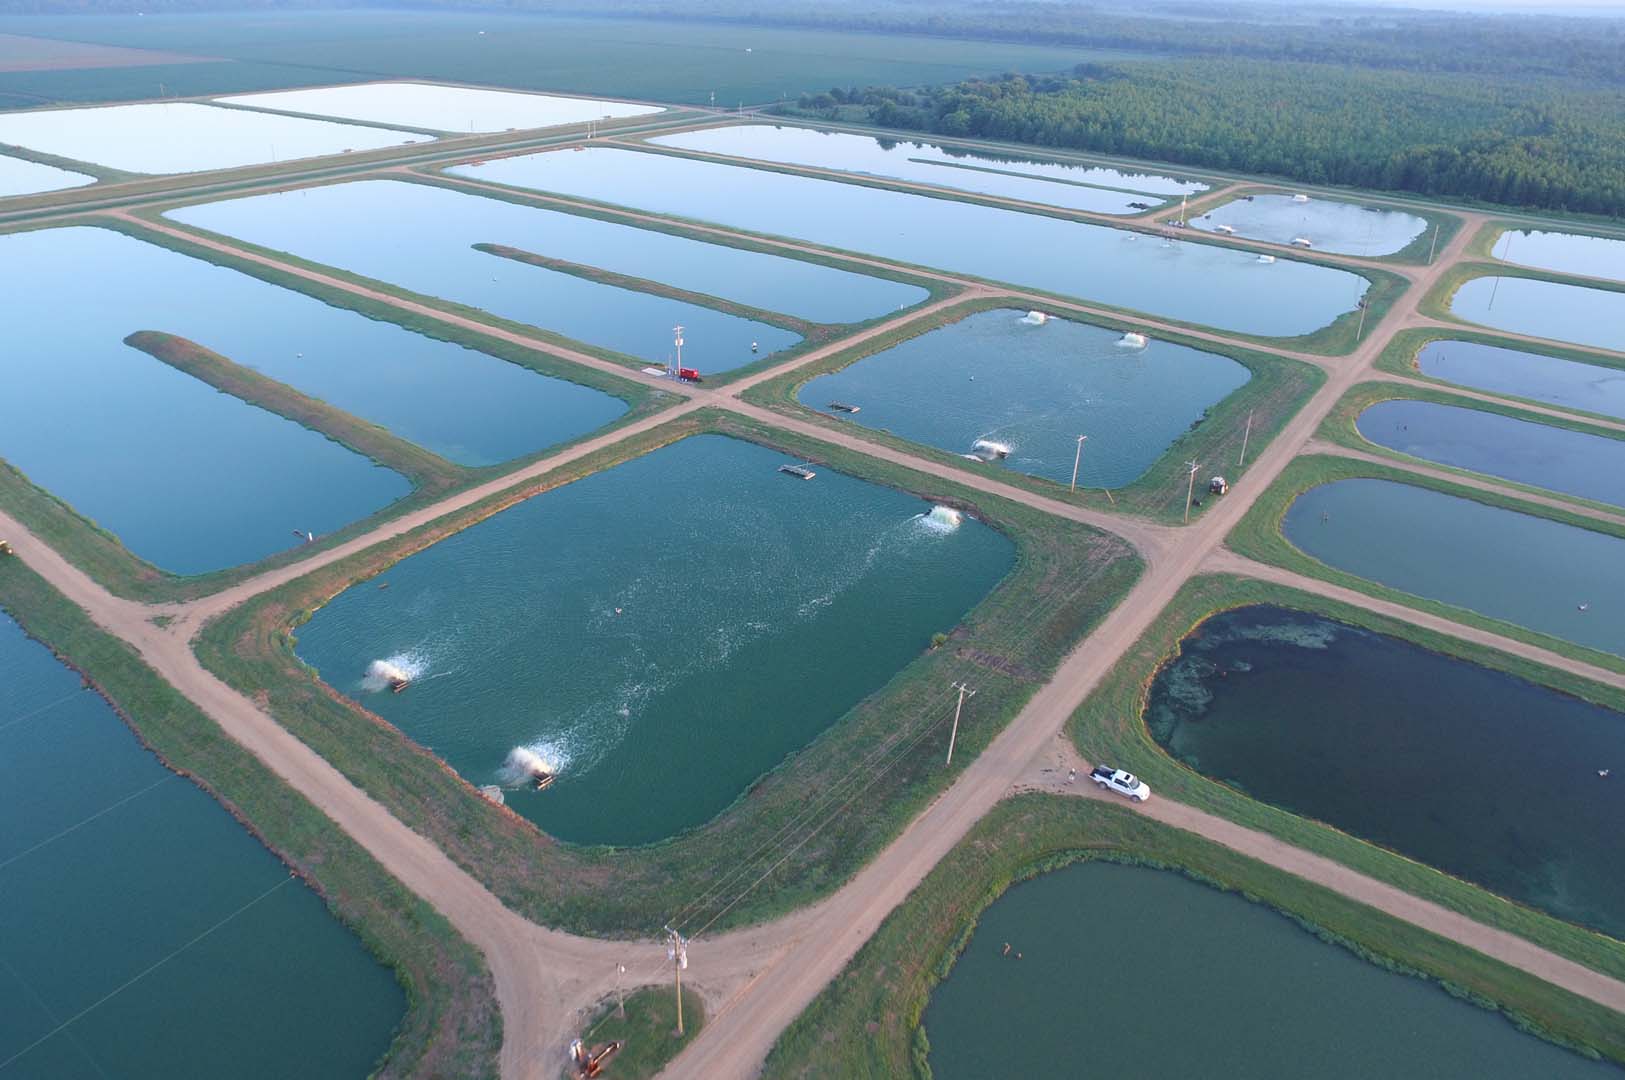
(1495, 288)
(677, 953)
(964, 692)
(1076, 460)
(620, 999)
(677, 335)
(1244, 436)
(1433, 247)
(1360, 332)
(1190, 491)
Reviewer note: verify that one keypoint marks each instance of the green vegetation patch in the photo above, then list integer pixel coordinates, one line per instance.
(867, 1022)
(646, 1028)
(803, 827)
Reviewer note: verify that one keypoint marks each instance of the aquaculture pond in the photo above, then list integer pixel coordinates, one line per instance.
(441, 108)
(1551, 379)
(1077, 187)
(353, 226)
(1195, 282)
(1132, 971)
(661, 633)
(1573, 462)
(1558, 579)
(1545, 309)
(188, 478)
(997, 380)
(183, 136)
(1328, 224)
(19, 176)
(1566, 253)
(144, 931)
(1282, 705)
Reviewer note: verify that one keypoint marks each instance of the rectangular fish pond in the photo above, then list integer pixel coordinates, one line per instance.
(188, 478)
(144, 932)
(1284, 706)
(1075, 187)
(1327, 224)
(1557, 579)
(1153, 974)
(660, 633)
(1194, 282)
(453, 109)
(19, 176)
(1571, 462)
(1566, 253)
(1551, 379)
(997, 383)
(1546, 309)
(354, 226)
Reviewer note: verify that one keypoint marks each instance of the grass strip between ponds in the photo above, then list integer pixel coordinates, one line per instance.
(1258, 536)
(647, 1032)
(1066, 578)
(867, 1022)
(1274, 392)
(452, 1026)
(1110, 726)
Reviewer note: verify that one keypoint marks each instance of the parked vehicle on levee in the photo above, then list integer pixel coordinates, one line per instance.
(1124, 783)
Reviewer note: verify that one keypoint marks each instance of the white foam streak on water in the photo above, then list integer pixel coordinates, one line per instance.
(941, 519)
(403, 666)
(524, 761)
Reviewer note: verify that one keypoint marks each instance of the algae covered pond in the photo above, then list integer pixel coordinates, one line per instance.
(662, 632)
(1194, 282)
(1572, 462)
(991, 377)
(1130, 971)
(144, 932)
(1328, 224)
(1552, 379)
(1547, 309)
(1555, 578)
(1285, 706)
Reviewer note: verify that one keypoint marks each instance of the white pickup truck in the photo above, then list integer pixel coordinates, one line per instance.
(1124, 783)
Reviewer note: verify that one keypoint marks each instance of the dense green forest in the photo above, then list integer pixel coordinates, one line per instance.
(1524, 142)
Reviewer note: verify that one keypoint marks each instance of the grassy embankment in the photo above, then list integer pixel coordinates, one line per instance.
(1337, 338)
(1066, 578)
(647, 1031)
(452, 1026)
(1414, 253)
(1276, 390)
(101, 554)
(1109, 726)
(867, 1022)
(1258, 536)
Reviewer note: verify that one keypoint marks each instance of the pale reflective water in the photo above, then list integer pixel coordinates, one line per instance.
(1518, 567)
(1545, 309)
(1567, 253)
(441, 108)
(1195, 282)
(18, 176)
(182, 136)
(1572, 462)
(1551, 379)
(1034, 389)
(1330, 225)
(188, 478)
(1077, 187)
(143, 931)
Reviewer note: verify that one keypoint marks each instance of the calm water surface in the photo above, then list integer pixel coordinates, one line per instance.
(1183, 280)
(1051, 183)
(664, 632)
(168, 938)
(1517, 567)
(1545, 309)
(1282, 705)
(189, 478)
(1567, 253)
(183, 136)
(441, 108)
(19, 176)
(1035, 389)
(1590, 466)
(1115, 958)
(1551, 379)
(1330, 225)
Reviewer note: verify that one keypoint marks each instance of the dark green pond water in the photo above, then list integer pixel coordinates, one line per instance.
(1132, 972)
(662, 632)
(1559, 579)
(143, 932)
(1481, 774)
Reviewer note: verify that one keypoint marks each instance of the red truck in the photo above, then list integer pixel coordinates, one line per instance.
(688, 374)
